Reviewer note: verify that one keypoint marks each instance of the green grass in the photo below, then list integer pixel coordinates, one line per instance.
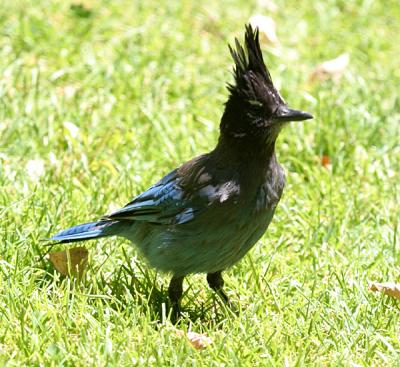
(144, 82)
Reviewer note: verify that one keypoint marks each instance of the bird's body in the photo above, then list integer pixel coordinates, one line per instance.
(205, 216)
(232, 213)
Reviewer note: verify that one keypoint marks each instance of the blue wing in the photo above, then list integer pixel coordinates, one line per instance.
(163, 203)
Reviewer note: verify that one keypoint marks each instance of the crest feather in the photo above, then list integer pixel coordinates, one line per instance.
(252, 78)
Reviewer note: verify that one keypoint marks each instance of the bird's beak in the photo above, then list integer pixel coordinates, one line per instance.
(285, 114)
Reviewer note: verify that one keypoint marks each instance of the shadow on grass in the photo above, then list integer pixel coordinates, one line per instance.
(127, 287)
(145, 287)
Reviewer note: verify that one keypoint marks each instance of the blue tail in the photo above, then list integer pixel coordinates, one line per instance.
(86, 231)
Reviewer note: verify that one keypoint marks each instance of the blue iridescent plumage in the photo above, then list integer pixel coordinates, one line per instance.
(162, 203)
(206, 215)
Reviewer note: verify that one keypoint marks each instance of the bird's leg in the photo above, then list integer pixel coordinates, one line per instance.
(216, 283)
(175, 291)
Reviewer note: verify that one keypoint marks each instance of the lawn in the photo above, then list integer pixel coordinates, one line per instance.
(100, 99)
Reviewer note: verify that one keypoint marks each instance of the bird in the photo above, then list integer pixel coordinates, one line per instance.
(205, 215)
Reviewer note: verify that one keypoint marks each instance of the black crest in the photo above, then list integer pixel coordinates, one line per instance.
(253, 82)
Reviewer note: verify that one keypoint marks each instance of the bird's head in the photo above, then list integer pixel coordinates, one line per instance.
(255, 108)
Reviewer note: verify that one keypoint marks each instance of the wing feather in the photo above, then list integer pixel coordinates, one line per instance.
(163, 203)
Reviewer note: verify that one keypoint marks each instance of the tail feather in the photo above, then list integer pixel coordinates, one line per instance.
(86, 231)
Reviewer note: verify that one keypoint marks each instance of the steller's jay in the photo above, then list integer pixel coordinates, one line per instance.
(207, 214)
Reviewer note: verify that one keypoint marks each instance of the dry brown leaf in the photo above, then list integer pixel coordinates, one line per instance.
(388, 288)
(197, 341)
(325, 161)
(266, 26)
(71, 261)
(67, 91)
(268, 5)
(331, 69)
(35, 168)
(72, 129)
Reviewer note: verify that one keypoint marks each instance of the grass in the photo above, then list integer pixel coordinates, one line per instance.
(98, 101)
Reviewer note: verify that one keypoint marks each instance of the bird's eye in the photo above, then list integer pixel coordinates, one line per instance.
(255, 103)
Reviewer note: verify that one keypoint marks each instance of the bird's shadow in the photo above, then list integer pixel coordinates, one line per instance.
(151, 295)
(126, 288)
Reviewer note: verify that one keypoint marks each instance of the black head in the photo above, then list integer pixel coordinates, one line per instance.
(254, 108)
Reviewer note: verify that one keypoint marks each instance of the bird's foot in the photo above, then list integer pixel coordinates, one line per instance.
(175, 291)
(216, 283)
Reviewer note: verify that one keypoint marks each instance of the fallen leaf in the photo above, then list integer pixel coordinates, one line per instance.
(67, 91)
(72, 129)
(266, 26)
(388, 288)
(268, 5)
(70, 262)
(35, 169)
(331, 69)
(325, 161)
(197, 341)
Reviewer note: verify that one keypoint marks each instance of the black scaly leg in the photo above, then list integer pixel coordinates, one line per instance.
(216, 283)
(175, 291)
